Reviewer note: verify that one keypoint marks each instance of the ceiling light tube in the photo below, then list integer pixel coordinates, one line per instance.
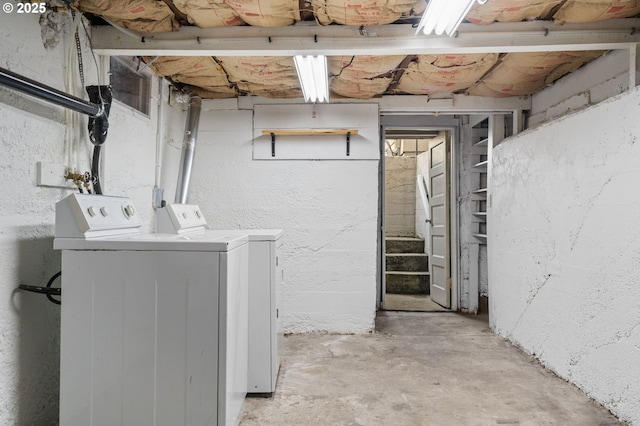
(313, 76)
(444, 16)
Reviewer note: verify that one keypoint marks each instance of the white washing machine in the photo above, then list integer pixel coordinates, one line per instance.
(266, 277)
(154, 327)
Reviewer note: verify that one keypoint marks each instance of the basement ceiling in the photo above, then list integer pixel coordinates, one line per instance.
(492, 74)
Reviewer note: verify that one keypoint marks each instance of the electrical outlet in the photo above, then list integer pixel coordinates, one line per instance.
(52, 174)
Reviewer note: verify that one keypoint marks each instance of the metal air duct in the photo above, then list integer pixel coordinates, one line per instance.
(188, 150)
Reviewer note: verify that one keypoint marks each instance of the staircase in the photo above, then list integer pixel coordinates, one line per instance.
(407, 266)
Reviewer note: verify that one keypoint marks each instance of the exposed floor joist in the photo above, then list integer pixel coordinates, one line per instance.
(335, 40)
(404, 104)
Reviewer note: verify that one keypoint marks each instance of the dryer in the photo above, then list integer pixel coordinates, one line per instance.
(153, 326)
(266, 280)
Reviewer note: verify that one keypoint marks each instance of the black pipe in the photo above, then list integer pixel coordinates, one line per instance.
(95, 169)
(98, 126)
(41, 91)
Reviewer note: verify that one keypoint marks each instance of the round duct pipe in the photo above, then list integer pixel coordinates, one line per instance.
(188, 150)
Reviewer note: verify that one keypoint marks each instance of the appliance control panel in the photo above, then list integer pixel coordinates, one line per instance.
(179, 218)
(87, 215)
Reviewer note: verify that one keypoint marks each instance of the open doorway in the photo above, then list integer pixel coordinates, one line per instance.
(417, 260)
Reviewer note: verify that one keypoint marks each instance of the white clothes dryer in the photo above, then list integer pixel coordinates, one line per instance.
(266, 281)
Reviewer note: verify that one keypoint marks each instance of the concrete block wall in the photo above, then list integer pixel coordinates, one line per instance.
(600, 79)
(564, 248)
(32, 131)
(400, 196)
(328, 210)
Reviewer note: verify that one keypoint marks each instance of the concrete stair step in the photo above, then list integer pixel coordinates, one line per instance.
(407, 282)
(415, 262)
(404, 245)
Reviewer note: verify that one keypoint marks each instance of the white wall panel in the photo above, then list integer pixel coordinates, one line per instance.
(564, 252)
(327, 209)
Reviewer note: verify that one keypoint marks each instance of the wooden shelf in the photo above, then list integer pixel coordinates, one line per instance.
(483, 142)
(479, 213)
(481, 191)
(481, 236)
(309, 132)
(481, 164)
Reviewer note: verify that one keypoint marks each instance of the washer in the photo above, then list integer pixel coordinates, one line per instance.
(266, 279)
(153, 327)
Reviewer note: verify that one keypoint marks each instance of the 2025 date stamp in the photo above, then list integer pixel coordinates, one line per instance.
(22, 8)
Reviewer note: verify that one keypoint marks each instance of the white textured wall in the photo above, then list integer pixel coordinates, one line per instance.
(400, 196)
(604, 77)
(564, 245)
(32, 131)
(328, 210)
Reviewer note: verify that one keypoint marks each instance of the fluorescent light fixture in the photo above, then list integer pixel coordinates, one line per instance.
(314, 78)
(445, 15)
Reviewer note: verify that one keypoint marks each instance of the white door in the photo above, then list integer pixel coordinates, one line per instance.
(439, 263)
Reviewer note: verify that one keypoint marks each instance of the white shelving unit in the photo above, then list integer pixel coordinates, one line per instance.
(486, 133)
(480, 163)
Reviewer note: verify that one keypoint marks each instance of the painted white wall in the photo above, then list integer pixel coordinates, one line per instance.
(400, 196)
(32, 131)
(564, 248)
(600, 79)
(328, 210)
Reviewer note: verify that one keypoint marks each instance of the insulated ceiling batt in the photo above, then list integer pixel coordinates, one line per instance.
(269, 77)
(145, 16)
(364, 12)
(431, 74)
(219, 13)
(560, 10)
(203, 72)
(201, 13)
(526, 73)
(360, 77)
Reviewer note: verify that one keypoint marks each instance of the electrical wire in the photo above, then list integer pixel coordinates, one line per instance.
(51, 280)
(343, 68)
(48, 290)
(95, 61)
(95, 161)
(72, 133)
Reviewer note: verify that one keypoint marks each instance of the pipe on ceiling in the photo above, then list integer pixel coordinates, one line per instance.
(188, 149)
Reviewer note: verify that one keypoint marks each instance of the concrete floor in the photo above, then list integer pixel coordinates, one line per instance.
(418, 369)
(411, 302)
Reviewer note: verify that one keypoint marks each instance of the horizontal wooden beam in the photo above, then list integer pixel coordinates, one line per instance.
(309, 132)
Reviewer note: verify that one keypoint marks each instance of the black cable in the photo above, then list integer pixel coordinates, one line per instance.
(51, 280)
(95, 170)
(48, 290)
(350, 62)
